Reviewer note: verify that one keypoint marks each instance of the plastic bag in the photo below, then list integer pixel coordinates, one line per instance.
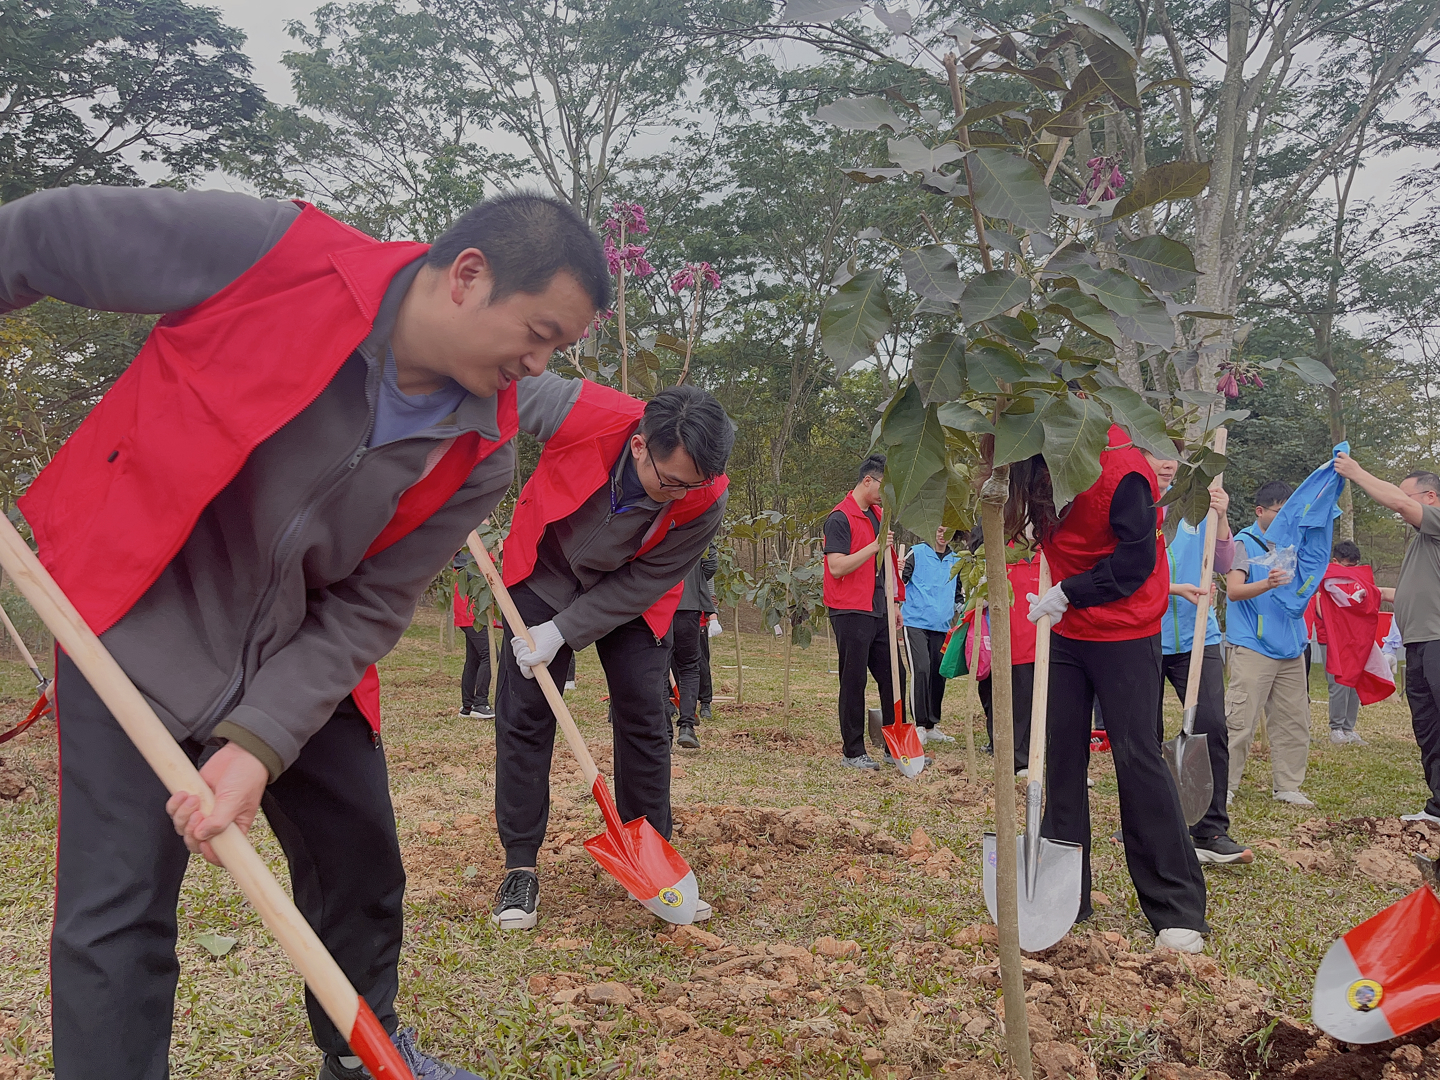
(1277, 559)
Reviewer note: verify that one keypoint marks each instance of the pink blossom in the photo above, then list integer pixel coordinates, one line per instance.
(687, 278)
(1228, 385)
(631, 257)
(630, 216)
(1106, 179)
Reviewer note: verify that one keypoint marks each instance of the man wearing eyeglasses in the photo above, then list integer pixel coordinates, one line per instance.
(622, 505)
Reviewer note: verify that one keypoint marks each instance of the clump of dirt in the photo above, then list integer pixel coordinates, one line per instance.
(1301, 1052)
(15, 785)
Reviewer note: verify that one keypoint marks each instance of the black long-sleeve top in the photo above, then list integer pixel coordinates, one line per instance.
(1123, 571)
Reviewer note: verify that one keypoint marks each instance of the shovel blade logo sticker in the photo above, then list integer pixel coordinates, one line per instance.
(671, 897)
(1364, 994)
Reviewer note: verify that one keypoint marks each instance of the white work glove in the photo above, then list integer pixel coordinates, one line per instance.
(548, 640)
(713, 627)
(1054, 603)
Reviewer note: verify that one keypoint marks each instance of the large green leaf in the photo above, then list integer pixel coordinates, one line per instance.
(925, 510)
(1114, 65)
(1145, 425)
(915, 446)
(987, 366)
(989, 109)
(1085, 312)
(938, 367)
(1075, 433)
(959, 416)
(1166, 264)
(1009, 187)
(931, 272)
(912, 155)
(991, 294)
(861, 114)
(1018, 436)
(1173, 180)
(1100, 23)
(1310, 370)
(1151, 324)
(1116, 289)
(856, 316)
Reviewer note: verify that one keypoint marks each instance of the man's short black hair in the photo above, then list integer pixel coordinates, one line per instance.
(874, 465)
(528, 238)
(1273, 494)
(1425, 481)
(686, 416)
(1347, 551)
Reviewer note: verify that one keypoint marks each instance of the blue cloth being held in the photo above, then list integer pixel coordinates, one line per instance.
(1307, 523)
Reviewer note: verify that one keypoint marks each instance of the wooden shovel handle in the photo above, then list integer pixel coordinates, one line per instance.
(573, 738)
(175, 770)
(1040, 699)
(20, 645)
(889, 556)
(1207, 572)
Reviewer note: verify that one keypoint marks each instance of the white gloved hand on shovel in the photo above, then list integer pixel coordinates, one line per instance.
(548, 640)
(1054, 603)
(713, 627)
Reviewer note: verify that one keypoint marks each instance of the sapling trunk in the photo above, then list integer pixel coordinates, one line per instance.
(620, 309)
(789, 639)
(739, 662)
(1012, 976)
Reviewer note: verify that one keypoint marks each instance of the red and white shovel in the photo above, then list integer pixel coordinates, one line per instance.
(901, 738)
(632, 852)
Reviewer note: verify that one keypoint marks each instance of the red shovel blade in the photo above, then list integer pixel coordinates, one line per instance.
(642, 860)
(903, 742)
(373, 1047)
(43, 707)
(1382, 979)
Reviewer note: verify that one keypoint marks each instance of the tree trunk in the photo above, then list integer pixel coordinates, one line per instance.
(739, 663)
(1007, 904)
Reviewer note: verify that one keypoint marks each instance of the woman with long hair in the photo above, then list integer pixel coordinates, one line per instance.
(1107, 557)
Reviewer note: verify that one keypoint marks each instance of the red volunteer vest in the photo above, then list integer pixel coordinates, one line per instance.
(576, 463)
(210, 384)
(856, 590)
(1084, 538)
(1024, 579)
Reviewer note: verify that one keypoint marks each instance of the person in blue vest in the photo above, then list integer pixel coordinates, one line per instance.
(1267, 664)
(1186, 551)
(932, 592)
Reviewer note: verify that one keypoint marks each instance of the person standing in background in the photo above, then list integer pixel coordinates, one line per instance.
(932, 593)
(710, 629)
(688, 629)
(475, 678)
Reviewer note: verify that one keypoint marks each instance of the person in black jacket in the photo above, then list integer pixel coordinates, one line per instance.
(687, 656)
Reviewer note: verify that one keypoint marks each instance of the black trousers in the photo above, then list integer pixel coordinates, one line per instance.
(1022, 692)
(863, 645)
(475, 679)
(1125, 677)
(686, 661)
(635, 663)
(1422, 690)
(113, 970)
(707, 684)
(1210, 722)
(924, 649)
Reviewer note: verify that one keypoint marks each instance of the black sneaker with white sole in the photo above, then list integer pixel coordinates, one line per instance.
(1221, 850)
(517, 900)
(483, 712)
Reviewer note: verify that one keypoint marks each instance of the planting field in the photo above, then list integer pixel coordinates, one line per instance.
(850, 937)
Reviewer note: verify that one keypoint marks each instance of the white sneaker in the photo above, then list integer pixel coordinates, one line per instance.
(1294, 798)
(1023, 774)
(1353, 737)
(1181, 940)
(923, 734)
(935, 735)
(569, 684)
(703, 911)
(1421, 816)
(1229, 798)
(1089, 782)
(1338, 737)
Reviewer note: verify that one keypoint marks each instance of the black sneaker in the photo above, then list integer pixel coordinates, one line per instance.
(705, 710)
(1221, 849)
(517, 901)
(422, 1065)
(687, 739)
(483, 712)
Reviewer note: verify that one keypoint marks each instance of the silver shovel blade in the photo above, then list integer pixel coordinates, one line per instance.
(1189, 759)
(1048, 915)
(1345, 1003)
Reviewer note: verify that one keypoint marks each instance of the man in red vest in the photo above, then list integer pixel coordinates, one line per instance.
(855, 595)
(248, 518)
(622, 505)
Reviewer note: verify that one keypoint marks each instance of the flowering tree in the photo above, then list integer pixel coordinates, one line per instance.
(697, 277)
(626, 220)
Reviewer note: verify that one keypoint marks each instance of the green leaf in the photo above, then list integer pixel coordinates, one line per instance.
(986, 366)
(991, 294)
(872, 176)
(1114, 65)
(1166, 264)
(925, 511)
(931, 272)
(1151, 324)
(938, 367)
(861, 114)
(1310, 370)
(1085, 312)
(915, 445)
(854, 319)
(1100, 23)
(1009, 187)
(1018, 436)
(1117, 290)
(1075, 433)
(912, 155)
(1145, 425)
(1043, 78)
(959, 416)
(215, 944)
(989, 109)
(1173, 180)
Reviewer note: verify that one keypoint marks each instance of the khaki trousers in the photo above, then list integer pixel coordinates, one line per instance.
(1277, 688)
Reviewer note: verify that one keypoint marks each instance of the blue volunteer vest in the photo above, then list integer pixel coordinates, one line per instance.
(1187, 553)
(1263, 624)
(930, 595)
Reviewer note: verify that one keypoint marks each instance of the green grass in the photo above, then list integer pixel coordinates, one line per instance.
(465, 985)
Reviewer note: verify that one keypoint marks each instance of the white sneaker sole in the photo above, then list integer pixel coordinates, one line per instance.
(516, 919)
(1206, 856)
